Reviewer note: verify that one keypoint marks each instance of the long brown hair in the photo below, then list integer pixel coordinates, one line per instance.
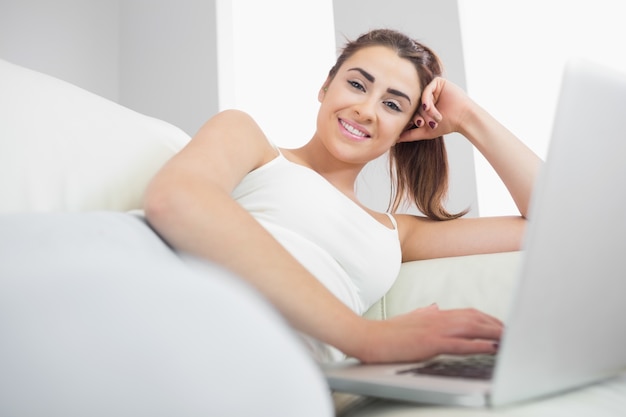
(419, 170)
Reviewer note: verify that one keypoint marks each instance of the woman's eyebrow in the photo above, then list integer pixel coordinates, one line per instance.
(399, 93)
(369, 77)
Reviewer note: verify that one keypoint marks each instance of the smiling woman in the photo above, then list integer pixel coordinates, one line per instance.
(289, 222)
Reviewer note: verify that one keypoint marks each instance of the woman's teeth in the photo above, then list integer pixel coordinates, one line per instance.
(352, 129)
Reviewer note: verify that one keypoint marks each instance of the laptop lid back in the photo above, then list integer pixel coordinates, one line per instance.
(566, 326)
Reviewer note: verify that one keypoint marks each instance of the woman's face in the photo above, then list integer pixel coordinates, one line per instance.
(368, 104)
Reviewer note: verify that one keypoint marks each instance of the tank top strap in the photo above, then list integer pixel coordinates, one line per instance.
(393, 220)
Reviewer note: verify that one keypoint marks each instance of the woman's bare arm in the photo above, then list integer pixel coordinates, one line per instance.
(189, 203)
(451, 110)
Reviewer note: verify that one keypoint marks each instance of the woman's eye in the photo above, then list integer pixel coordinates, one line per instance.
(357, 85)
(392, 106)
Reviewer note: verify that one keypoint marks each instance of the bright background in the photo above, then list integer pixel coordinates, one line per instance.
(514, 56)
(514, 52)
(184, 60)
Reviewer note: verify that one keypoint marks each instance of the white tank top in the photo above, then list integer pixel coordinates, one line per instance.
(355, 256)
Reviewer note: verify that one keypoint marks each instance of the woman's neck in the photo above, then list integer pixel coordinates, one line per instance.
(316, 156)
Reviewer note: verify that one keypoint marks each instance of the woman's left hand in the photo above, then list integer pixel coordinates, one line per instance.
(443, 108)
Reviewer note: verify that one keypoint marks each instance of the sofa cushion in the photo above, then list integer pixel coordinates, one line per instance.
(484, 281)
(64, 148)
(99, 317)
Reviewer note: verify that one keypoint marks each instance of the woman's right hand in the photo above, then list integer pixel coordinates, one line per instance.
(427, 332)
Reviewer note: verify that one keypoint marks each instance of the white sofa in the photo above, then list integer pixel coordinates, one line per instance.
(99, 317)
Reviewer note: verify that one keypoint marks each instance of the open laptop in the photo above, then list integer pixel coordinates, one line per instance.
(565, 328)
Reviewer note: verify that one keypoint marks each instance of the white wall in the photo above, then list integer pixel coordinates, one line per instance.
(156, 57)
(164, 58)
(168, 65)
(273, 57)
(75, 40)
(515, 52)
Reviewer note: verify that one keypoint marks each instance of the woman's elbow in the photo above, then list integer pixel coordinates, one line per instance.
(159, 204)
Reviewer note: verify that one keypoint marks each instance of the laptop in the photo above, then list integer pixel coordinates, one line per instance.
(565, 326)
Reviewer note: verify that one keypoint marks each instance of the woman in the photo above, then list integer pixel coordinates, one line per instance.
(288, 220)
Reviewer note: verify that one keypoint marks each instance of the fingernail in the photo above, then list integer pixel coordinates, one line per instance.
(418, 123)
(424, 106)
(432, 124)
(496, 345)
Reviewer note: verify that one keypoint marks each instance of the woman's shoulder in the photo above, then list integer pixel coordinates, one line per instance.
(227, 147)
(238, 131)
(233, 115)
(237, 124)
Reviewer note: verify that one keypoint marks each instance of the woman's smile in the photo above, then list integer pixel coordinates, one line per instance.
(352, 131)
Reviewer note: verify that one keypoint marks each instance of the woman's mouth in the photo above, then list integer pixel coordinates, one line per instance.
(353, 131)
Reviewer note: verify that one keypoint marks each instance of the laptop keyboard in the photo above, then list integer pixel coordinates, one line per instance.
(474, 367)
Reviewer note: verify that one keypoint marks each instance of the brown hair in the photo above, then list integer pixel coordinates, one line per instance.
(419, 169)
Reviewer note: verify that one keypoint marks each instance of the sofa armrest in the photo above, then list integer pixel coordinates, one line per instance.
(482, 281)
(99, 316)
(63, 148)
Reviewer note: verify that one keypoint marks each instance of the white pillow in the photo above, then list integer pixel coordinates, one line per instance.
(99, 317)
(63, 148)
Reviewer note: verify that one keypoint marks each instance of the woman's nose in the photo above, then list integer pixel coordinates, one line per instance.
(365, 109)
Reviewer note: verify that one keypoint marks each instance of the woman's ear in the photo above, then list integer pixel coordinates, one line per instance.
(322, 93)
